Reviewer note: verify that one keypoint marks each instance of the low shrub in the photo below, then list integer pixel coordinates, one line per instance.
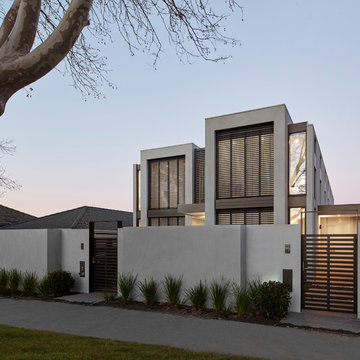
(15, 278)
(172, 289)
(197, 295)
(30, 284)
(59, 282)
(242, 299)
(272, 300)
(218, 294)
(127, 283)
(149, 291)
(4, 280)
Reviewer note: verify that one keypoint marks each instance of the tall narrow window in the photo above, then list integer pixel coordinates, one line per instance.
(297, 163)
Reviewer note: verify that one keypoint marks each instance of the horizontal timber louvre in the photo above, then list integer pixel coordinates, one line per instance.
(167, 221)
(199, 174)
(255, 216)
(245, 161)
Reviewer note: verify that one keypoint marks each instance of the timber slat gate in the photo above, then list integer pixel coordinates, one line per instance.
(103, 259)
(329, 272)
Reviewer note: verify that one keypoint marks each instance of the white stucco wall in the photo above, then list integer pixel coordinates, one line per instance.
(24, 250)
(43, 251)
(72, 254)
(237, 253)
(197, 253)
(358, 277)
(266, 258)
(281, 118)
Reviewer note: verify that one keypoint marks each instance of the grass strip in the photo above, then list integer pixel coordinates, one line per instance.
(21, 344)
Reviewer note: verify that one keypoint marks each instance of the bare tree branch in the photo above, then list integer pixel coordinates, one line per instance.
(194, 27)
(6, 148)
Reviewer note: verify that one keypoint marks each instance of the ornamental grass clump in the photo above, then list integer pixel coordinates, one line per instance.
(44, 287)
(218, 294)
(127, 283)
(172, 289)
(149, 289)
(4, 280)
(15, 278)
(30, 284)
(272, 300)
(242, 299)
(197, 295)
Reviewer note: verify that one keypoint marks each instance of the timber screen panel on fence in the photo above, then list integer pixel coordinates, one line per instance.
(329, 274)
(103, 258)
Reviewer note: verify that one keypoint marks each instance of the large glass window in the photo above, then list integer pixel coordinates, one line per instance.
(166, 183)
(245, 161)
(297, 163)
(295, 215)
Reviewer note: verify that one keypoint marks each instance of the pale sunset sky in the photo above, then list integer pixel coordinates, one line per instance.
(304, 54)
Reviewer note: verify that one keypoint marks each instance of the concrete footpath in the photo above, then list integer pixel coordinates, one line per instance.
(229, 337)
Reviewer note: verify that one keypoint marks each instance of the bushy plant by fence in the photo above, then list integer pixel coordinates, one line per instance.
(272, 299)
(172, 289)
(127, 283)
(60, 282)
(197, 295)
(218, 293)
(149, 289)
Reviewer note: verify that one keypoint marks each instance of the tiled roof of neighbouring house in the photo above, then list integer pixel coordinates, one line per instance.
(78, 218)
(10, 216)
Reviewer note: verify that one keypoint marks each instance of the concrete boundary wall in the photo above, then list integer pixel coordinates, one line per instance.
(25, 250)
(237, 253)
(197, 253)
(45, 250)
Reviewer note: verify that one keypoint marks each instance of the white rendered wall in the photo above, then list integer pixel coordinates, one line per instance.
(235, 252)
(358, 277)
(266, 258)
(281, 119)
(186, 150)
(72, 254)
(197, 253)
(42, 251)
(24, 250)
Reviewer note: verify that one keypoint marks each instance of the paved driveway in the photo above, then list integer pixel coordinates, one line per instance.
(232, 337)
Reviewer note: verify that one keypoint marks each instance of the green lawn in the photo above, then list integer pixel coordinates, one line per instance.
(17, 343)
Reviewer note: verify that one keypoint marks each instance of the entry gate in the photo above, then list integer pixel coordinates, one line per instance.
(329, 272)
(103, 259)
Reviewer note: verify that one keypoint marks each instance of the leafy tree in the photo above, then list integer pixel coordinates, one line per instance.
(36, 35)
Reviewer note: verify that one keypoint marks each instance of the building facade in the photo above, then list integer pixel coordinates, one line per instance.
(257, 168)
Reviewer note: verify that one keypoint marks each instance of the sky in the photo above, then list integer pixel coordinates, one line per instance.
(304, 54)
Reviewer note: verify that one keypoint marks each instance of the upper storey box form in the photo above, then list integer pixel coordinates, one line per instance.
(257, 167)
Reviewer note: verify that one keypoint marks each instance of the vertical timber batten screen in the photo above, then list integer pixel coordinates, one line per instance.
(167, 188)
(199, 174)
(245, 162)
(245, 169)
